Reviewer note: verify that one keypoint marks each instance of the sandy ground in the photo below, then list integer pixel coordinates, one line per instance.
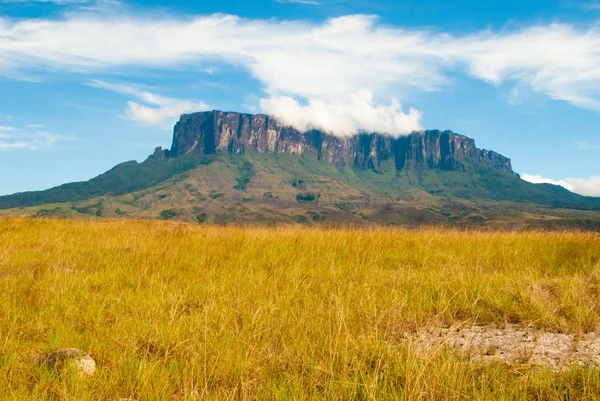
(513, 344)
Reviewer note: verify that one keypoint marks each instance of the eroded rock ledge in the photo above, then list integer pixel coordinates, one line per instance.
(512, 344)
(216, 131)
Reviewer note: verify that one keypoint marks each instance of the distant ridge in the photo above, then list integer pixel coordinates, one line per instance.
(226, 167)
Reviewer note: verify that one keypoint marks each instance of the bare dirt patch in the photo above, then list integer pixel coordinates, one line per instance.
(513, 344)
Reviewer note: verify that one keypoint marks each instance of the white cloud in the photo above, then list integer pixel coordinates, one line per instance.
(165, 110)
(159, 115)
(344, 119)
(318, 63)
(29, 137)
(592, 5)
(47, 139)
(585, 145)
(59, 2)
(13, 145)
(557, 60)
(588, 187)
(305, 2)
(25, 139)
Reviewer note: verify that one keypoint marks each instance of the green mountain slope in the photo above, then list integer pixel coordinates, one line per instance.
(284, 188)
(124, 178)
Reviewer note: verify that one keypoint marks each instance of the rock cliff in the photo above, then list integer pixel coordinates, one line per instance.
(216, 131)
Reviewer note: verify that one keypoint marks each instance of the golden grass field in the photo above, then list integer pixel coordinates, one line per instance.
(182, 311)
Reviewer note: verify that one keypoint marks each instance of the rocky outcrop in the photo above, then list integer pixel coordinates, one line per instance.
(216, 131)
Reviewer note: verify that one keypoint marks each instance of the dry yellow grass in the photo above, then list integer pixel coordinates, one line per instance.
(175, 311)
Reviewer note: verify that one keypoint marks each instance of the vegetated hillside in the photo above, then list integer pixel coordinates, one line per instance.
(180, 311)
(286, 188)
(124, 178)
(232, 167)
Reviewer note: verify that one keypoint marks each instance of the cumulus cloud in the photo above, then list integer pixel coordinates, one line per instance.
(164, 108)
(319, 64)
(587, 187)
(359, 113)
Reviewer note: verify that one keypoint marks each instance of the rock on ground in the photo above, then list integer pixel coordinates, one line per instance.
(71, 358)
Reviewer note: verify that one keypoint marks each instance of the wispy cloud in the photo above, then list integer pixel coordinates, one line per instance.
(59, 2)
(163, 109)
(306, 2)
(314, 63)
(588, 187)
(29, 139)
(590, 5)
(13, 145)
(586, 145)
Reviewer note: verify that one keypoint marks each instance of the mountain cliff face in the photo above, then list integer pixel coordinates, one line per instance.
(216, 131)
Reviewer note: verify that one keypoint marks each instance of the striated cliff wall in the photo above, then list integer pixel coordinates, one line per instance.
(216, 131)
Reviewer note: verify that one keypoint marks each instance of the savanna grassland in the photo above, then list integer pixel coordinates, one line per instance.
(183, 311)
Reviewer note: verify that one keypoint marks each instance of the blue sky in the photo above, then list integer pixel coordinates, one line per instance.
(87, 84)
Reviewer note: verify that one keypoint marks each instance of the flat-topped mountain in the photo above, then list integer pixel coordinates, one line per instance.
(226, 167)
(213, 132)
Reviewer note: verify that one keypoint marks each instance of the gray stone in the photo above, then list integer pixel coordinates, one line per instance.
(71, 358)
